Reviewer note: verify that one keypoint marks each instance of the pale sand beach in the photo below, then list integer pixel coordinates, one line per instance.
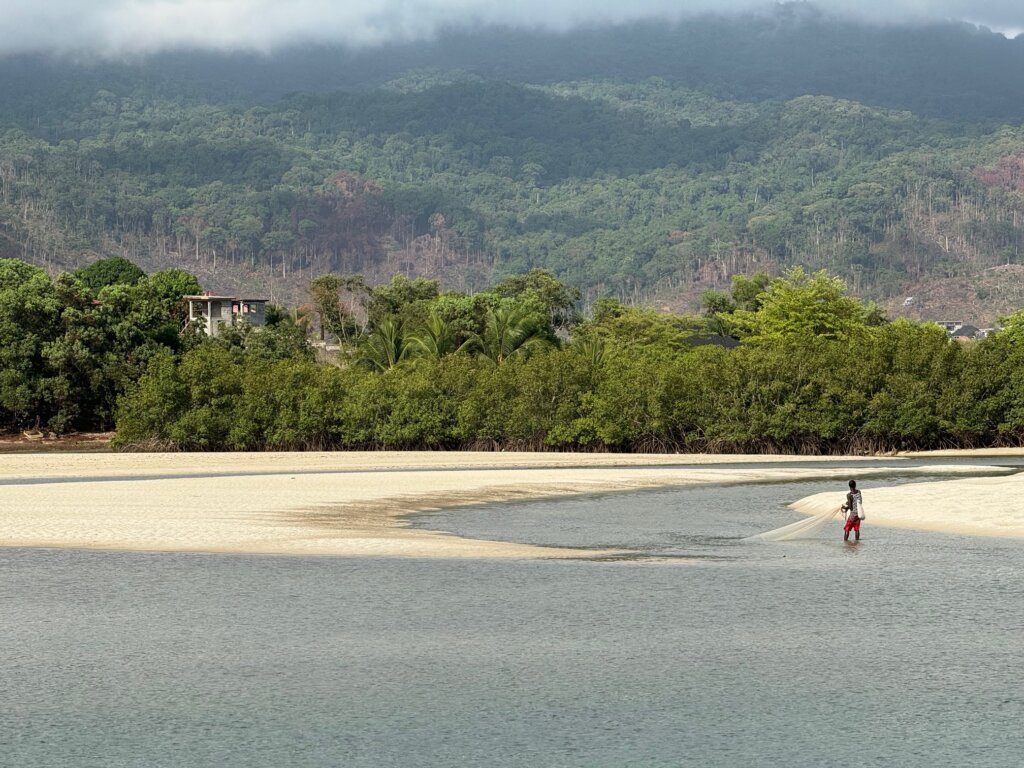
(344, 503)
(39, 465)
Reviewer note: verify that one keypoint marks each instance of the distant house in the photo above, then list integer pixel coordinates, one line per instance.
(213, 312)
(966, 332)
(958, 329)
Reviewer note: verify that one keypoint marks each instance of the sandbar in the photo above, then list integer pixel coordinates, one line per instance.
(347, 504)
(974, 506)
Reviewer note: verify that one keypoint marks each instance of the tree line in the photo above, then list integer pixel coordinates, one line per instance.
(785, 364)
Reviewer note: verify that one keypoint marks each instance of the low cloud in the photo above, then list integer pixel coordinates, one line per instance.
(139, 26)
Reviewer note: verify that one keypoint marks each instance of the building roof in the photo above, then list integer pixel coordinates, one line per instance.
(728, 342)
(967, 330)
(212, 297)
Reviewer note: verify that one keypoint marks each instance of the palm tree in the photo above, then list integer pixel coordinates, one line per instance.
(507, 333)
(385, 347)
(591, 348)
(435, 338)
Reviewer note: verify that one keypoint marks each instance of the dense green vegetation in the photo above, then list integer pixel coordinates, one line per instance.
(65, 357)
(512, 367)
(816, 371)
(653, 167)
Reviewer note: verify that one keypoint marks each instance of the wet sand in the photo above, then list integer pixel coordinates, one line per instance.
(341, 503)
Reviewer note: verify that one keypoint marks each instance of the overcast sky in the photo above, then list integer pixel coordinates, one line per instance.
(131, 26)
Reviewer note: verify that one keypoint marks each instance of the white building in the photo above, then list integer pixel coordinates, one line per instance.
(216, 311)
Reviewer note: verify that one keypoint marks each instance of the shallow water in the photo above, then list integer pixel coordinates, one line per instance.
(695, 649)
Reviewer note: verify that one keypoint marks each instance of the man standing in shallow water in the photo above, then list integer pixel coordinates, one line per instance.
(854, 509)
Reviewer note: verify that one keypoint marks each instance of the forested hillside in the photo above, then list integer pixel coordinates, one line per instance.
(646, 165)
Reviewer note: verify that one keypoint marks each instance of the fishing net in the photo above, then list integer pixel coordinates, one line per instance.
(798, 530)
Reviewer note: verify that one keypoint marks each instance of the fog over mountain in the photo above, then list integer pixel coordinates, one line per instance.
(114, 27)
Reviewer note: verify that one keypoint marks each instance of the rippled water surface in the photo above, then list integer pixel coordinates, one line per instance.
(695, 648)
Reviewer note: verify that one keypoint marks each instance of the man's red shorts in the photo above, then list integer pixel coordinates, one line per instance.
(853, 524)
